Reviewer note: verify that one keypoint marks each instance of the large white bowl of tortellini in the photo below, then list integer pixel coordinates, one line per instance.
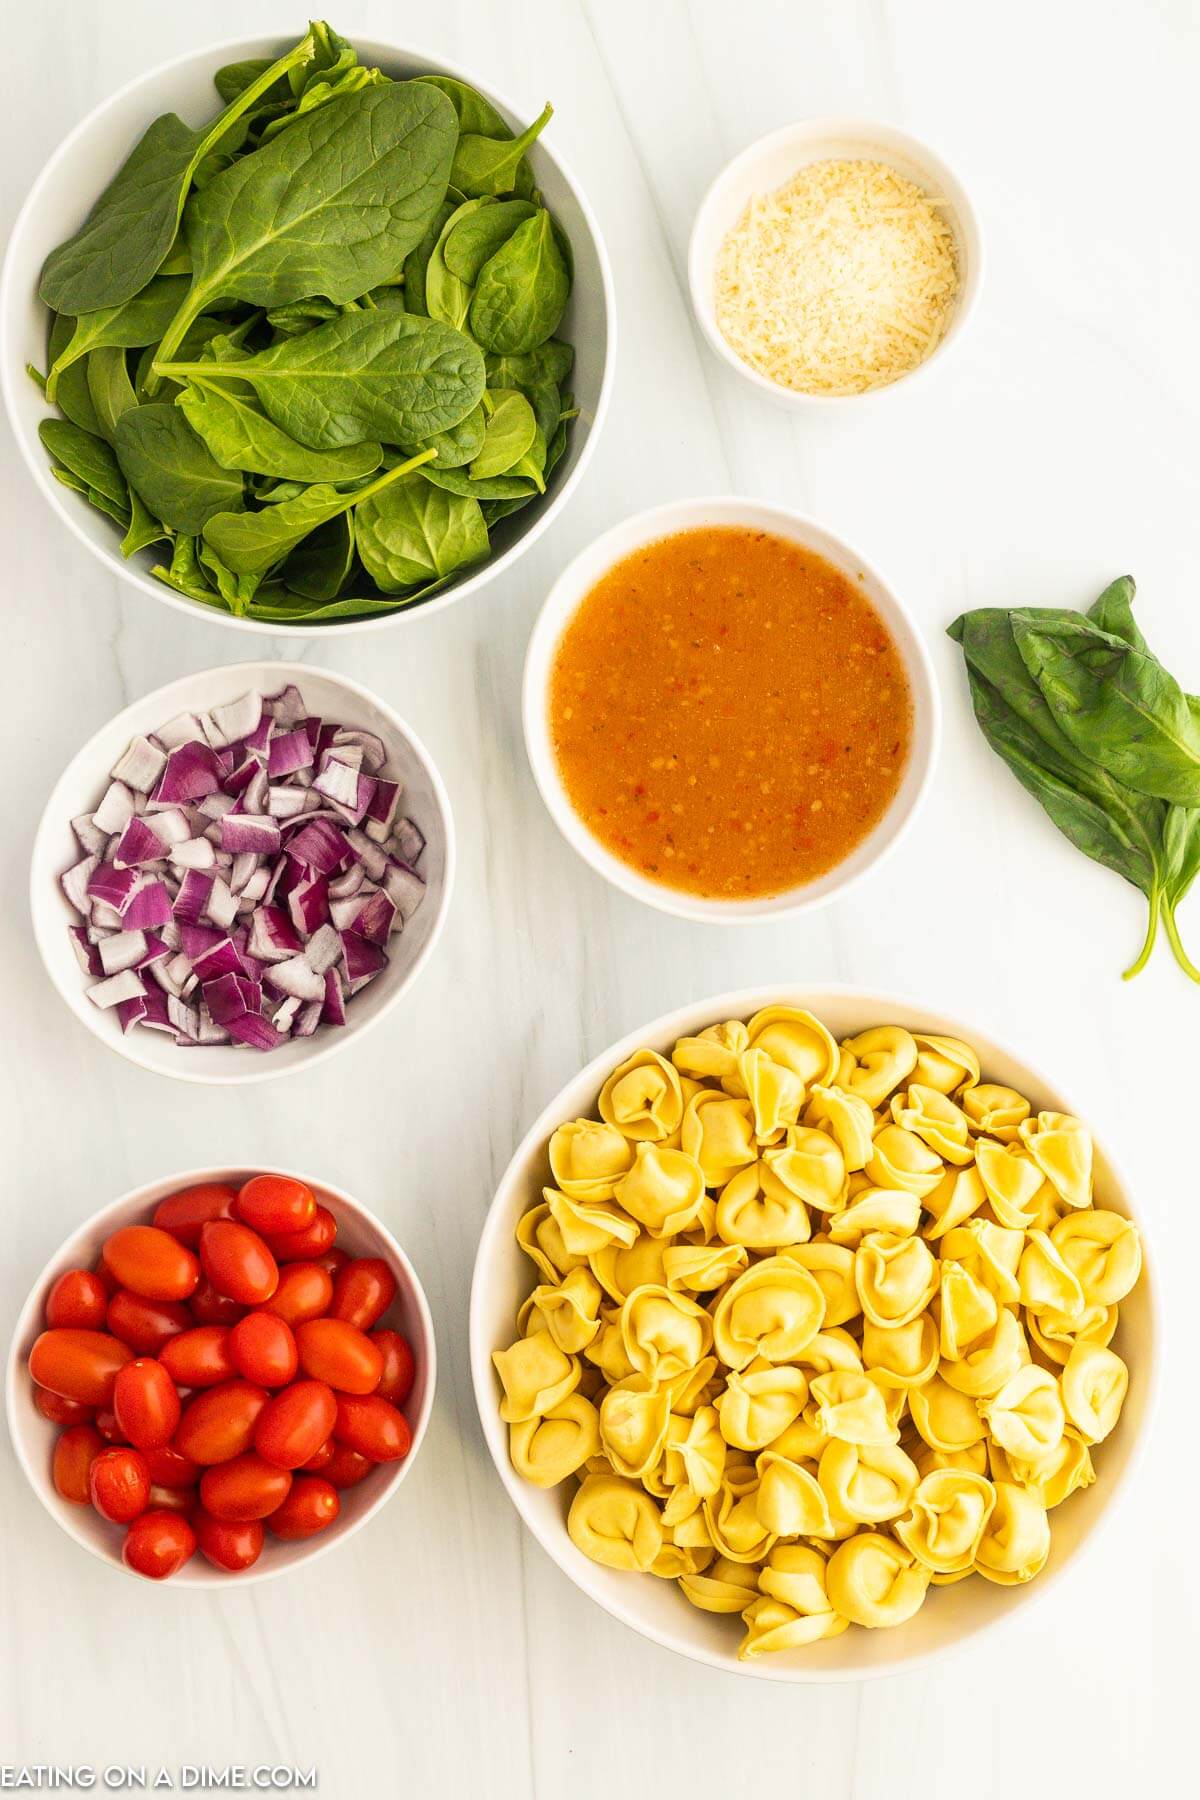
(811, 1332)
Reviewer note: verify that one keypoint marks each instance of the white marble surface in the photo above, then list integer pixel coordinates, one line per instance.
(440, 1653)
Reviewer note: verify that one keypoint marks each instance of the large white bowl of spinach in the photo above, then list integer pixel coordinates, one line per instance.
(337, 350)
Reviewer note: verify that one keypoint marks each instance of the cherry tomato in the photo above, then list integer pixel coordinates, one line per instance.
(332, 1351)
(211, 1308)
(246, 1488)
(184, 1213)
(79, 1365)
(295, 1424)
(74, 1453)
(105, 1422)
(201, 1357)
(332, 1261)
(263, 1349)
(146, 1325)
(158, 1543)
(304, 1292)
(346, 1468)
(362, 1292)
(168, 1499)
(60, 1411)
(168, 1469)
(373, 1427)
(238, 1262)
(395, 1384)
(226, 1545)
(79, 1298)
(276, 1203)
(146, 1404)
(151, 1262)
(220, 1422)
(105, 1276)
(312, 1505)
(305, 1246)
(323, 1457)
(119, 1484)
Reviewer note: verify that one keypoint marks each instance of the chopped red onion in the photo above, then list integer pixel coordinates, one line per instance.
(254, 844)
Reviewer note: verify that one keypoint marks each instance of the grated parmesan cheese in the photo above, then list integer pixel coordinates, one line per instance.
(840, 281)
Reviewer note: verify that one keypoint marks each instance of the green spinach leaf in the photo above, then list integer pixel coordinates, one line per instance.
(490, 165)
(141, 320)
(172, 469)
(87, 457)
(319, 568)
(144, 528)
(110, 388)
(241, 436)
(522, 290)
(474, 238)
(511, 430)
(413, 533)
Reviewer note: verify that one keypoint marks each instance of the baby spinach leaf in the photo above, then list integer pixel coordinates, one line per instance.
(495, 487)
(283, 607)
(551, 361)
(172, 469)
(474, 113)
(72, 395)
(133, 224)
(476, 236)
(532, 465)
(237, 591)
(301, 315)
(511, 430)
(241, 436)
(1117, 704)
(185, 574)
(491, 165)
(87, 457)
(1113, 612)
(110, 388)
(251, 543)
(414, 533)
(446, 297)
(522, 290)
(382, 376)
(331, 85)
(141, 320)
(456, 447)
(416, 263)
(1181, 861)
(318, 568)
(234, 78)
(102, 502)
(144, 528)
(331, 206)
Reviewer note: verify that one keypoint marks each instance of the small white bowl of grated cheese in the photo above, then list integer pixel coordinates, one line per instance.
(834, 259)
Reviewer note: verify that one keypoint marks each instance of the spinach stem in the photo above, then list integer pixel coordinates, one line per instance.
(1172, 930)
(1135, 968)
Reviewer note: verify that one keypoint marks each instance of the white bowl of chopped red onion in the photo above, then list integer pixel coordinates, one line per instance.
(242, 872)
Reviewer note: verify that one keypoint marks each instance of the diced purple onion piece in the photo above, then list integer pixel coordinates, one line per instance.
(296, 977)
(373, 857)
(131, 1012)
(115, 887)
(236, 719)
(242, 868)
(273, 938)
(307, 1019)
(182, 729)
(409, 841)
(323, 949)
(287, 707)
(334, 1007)
(198, 938)
(171, 826)
(404, 887)
(192, 771)
(258, 1032)
(343, 913)
(192, 898)
(138, 845)
(257, 885)
(222, 904)
(115, 810)
(289, 751)
(184, 1018)
(282, 1020)
(123, 950)
(349, 883)
(285, 802)
(75, 883)
(319, 845)
(197, 853)
(250, 832)
(364, 960)
(376, 919)
(374, 755)
(140, 766)
(223, 958)
(229, 997)
(86, 953)
(308, 905)
(117, 988)
(92, 841)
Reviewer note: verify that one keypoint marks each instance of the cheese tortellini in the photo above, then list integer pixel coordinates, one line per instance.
(814, 1327)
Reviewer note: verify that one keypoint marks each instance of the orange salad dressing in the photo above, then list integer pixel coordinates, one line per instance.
(729, 713)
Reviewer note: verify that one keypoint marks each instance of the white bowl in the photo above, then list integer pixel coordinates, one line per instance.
(577, 581)
(772, 161)
(33, 1437)
(81, 787)
(951, 1616)
(76, 174)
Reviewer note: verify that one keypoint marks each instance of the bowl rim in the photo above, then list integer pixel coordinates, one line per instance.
(54, 817)
(551, 621)
(228, 49)
(65, 1515)
(738, 1003)
(886, 136)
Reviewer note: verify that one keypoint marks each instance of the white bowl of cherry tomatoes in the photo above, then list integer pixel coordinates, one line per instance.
(221, 1375)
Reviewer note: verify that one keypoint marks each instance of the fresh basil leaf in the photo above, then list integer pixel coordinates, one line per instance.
(522, 290)
(172, 469)
(331, 206)
(241, 436)
(385, 377)
(412, 533)
(491, 165)
(133, 224)
(1116, 703)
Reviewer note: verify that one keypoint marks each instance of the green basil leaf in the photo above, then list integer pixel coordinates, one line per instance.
(331, 206)
(1117, 704)
(522, 290)
(385, 377)
(133, 224)
(172, 469)
(241, 436)
(413, 533)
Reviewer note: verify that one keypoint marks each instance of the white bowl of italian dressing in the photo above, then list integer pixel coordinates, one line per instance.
(835, 260)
